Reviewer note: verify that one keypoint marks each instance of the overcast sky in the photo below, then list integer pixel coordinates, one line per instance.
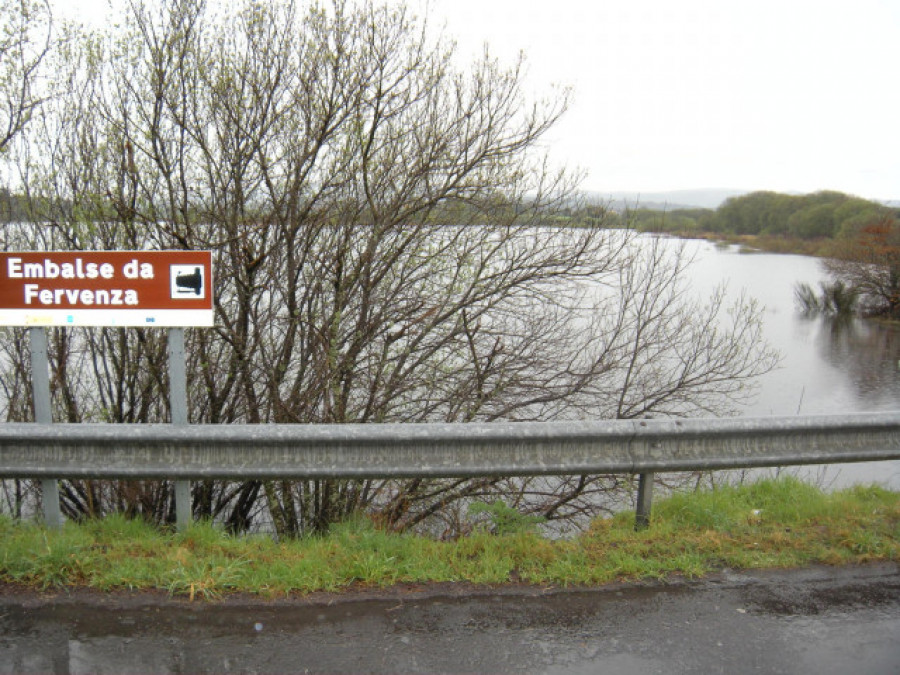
(790, 95)
(794, 95)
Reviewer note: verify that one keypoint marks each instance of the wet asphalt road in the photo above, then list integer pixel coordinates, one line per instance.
(823, 620)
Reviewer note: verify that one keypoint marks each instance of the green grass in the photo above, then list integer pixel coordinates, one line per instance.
(775, 523)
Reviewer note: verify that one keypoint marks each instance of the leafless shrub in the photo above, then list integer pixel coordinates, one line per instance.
(383, 251)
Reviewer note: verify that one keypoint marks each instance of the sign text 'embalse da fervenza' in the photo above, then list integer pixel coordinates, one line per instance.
(48, 269)
(106, 288)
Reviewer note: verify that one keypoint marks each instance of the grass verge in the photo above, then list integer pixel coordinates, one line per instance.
(773, 523)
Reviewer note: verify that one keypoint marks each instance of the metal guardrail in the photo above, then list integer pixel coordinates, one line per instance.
(356, 451)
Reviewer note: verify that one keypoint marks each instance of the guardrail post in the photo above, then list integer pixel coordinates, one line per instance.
(178, 405)
(40, 389)
(644, 501)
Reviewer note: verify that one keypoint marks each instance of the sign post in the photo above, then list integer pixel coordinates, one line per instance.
(178, 406)
(40, 392)
(150, 289)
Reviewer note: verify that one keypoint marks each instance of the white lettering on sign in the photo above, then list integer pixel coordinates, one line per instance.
(48, 269)
(133, 270)
(73, 296)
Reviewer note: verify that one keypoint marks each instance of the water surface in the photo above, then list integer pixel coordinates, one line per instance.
(828, 366)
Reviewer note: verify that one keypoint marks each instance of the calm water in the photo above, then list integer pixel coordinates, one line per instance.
(827, 367)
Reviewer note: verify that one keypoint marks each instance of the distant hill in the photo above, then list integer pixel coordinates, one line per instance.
(673, 200)
(676, 199)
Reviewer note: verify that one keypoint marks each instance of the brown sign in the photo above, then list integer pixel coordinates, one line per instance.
(106, 288)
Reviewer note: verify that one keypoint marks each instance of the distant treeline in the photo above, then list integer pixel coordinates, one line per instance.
(819, 215)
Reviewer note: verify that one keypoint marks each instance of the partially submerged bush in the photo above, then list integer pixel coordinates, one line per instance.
(833, 299)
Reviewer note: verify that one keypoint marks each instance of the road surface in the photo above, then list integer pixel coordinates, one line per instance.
(822, 620)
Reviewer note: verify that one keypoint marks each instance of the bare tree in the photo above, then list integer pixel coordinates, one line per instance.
(384, 250)
(24, 43)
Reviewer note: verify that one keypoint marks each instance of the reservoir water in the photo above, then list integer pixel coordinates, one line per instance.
(827, 366)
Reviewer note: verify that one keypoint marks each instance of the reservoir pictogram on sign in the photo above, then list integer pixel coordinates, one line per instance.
(187, 282)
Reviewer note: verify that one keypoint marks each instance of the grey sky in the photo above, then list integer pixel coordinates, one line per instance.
(794, 95)
(791, 95)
